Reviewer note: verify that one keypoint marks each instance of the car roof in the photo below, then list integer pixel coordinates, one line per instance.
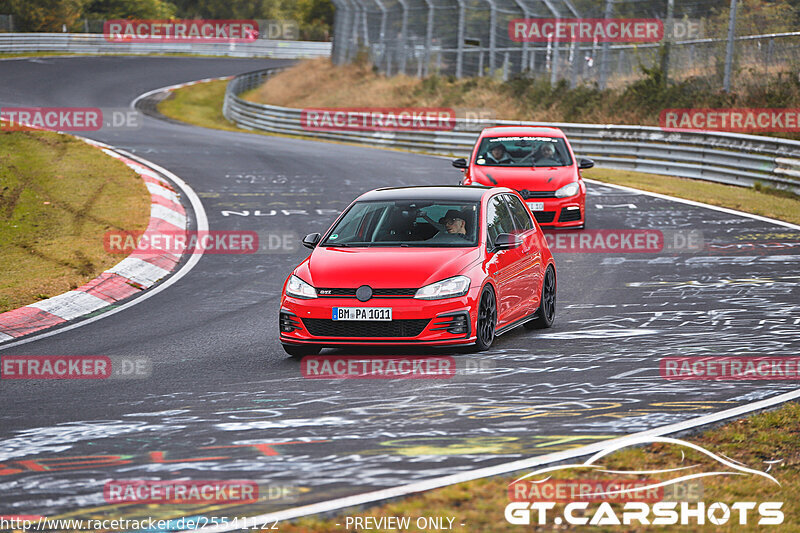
(526, 131)
(430, 192)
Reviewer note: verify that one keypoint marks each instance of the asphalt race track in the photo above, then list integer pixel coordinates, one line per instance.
(225, 402)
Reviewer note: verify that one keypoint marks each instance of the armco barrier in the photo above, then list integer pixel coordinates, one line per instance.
(96, 43)
(721, 157)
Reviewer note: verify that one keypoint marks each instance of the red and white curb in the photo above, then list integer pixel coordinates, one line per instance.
(139, 271)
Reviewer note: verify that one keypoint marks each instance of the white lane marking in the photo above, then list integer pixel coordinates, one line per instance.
(629, 206)
(202, 225)
(697, 204)
(505, 468)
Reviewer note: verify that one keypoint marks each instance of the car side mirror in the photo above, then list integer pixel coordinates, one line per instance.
(460, 163)
(311, 240)
(585, 163)
(504, 241)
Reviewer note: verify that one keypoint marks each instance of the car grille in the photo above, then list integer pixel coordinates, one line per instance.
(376, 293)
(544, 217)
(569, 215)
(525, 193)
(321, 327)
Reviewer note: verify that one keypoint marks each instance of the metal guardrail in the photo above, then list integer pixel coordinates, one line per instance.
(720, 157)
(94, 43)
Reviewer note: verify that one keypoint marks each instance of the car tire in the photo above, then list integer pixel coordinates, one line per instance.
(487, 320)
(546, 314)
(300, 350)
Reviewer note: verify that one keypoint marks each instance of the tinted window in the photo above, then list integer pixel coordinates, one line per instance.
(498, 219)
(519, 213)
(407, 223)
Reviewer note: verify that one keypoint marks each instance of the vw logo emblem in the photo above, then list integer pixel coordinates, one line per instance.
(364, 293)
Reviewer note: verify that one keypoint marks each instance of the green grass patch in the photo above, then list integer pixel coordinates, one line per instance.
(58, 197)
(199, 104)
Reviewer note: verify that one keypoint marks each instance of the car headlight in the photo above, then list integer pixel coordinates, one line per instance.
(570, 189)
(299, 288)
(447, 288)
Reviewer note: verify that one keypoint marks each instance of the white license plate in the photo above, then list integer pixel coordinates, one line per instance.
(536, 206)
(383, 314)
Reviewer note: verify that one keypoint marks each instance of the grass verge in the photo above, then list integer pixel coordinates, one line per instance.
(58, 196)
(199, 104)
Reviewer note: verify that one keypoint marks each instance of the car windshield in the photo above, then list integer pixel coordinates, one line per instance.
(429, 223)
(523, 152)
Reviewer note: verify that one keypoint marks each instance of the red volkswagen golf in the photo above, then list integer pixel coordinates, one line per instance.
(439, 266)
(539, 163)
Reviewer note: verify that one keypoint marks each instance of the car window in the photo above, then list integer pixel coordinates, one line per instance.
(442, 223)
(523, 151)
(518, 212)
(498, 219)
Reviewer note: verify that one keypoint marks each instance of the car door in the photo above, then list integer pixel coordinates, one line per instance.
(503, 265)
(528, 281)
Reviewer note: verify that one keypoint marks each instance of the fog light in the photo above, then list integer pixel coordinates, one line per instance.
(288, 322)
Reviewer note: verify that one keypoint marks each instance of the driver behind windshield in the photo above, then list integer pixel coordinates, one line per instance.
(498, 155)
(454, 223)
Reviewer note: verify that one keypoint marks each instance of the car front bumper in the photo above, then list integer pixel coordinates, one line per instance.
(560, 212)
(447, 322)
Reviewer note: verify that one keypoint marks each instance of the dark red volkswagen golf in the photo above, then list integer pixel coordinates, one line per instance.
(430, 266)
